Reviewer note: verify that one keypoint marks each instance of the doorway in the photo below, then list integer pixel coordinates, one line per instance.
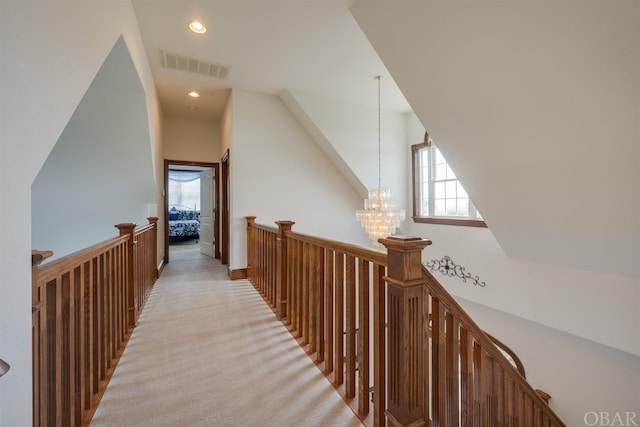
(192, 218)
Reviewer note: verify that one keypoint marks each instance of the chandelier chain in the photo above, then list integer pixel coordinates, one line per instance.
(378, 78)
(379, 217)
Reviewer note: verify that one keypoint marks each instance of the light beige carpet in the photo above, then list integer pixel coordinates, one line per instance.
(208, 351)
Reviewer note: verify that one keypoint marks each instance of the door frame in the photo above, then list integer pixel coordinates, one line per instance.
(225, 190)
(216, 203)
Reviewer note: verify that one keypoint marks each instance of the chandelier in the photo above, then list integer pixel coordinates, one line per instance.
(379, 216)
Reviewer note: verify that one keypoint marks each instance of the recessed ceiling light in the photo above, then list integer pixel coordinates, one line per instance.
(197, 27)
(194, 94)
(192, 107)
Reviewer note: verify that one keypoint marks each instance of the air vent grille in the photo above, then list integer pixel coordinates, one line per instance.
(190, 65)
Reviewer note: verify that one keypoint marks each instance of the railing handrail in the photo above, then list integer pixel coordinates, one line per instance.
(437, 290)
(53, 268)
(264, 227)
(366, 254)
(142, 229)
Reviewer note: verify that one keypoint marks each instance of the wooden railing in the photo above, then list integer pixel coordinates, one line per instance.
(387, 334)
(85, 306)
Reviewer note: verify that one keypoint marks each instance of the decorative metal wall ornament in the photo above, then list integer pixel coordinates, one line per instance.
(449, 268)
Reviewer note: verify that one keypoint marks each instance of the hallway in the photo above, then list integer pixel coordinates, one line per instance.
(208, 351)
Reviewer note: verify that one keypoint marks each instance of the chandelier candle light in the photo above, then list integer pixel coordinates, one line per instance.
(379, 216)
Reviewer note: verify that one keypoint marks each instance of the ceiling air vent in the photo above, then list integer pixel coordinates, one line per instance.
(182, 63)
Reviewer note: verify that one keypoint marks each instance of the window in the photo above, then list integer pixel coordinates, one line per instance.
(184, 190)
(438, 196)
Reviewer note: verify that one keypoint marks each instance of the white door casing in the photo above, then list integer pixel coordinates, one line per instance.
(206, 212)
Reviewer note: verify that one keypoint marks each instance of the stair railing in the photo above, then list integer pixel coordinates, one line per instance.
(385, 332)
(85, 306)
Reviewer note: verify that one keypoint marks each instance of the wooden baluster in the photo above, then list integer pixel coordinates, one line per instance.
(295, 285)
(499, 393)
(452, 370)
(288, 279)
(519, 406)
(113, 295)
(438, 363)
(81, 326)
(320, 314)
(267, 269)
(108, 285)
(258, 265)
(313, 298)
(262, 265)
(250, 247)
(71, 331)
(363, 337)
(102, 313)
(509, 401)
(328, 312)
(93, 329)
(264, 274)
(67, 374)
(256, 260)
(528, 411)
(299, 287)
(379, 346)
(305, 293)
(117, 289)
(339, 320)
(122, 280)
(54, 320)
(480, 384)
(491, 403)
(407, 308)
(277, 293)
(466, 380)
(350, 318)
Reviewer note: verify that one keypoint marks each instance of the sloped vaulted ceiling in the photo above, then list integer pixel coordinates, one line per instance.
(537, 107)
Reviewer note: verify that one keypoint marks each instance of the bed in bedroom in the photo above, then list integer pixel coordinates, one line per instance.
(184, 224)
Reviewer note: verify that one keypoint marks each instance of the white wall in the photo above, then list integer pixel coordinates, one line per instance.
(191, 140)
(351, 132)
(279, 173)
(542, 292)
(566, 330)
(44, 74)
(226, 126)
(536, 105)
(100, 172)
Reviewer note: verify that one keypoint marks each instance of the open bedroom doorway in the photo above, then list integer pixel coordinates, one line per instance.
(191, 207)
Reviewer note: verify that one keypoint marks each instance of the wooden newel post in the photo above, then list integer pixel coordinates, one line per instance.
(129, 228)
(281, 268)
(154, 220)
(250, 221)
(407, 348)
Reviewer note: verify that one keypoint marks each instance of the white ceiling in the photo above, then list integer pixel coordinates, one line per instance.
(312, 46)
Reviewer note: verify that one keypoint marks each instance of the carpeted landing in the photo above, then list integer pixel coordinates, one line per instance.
(208, 351)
